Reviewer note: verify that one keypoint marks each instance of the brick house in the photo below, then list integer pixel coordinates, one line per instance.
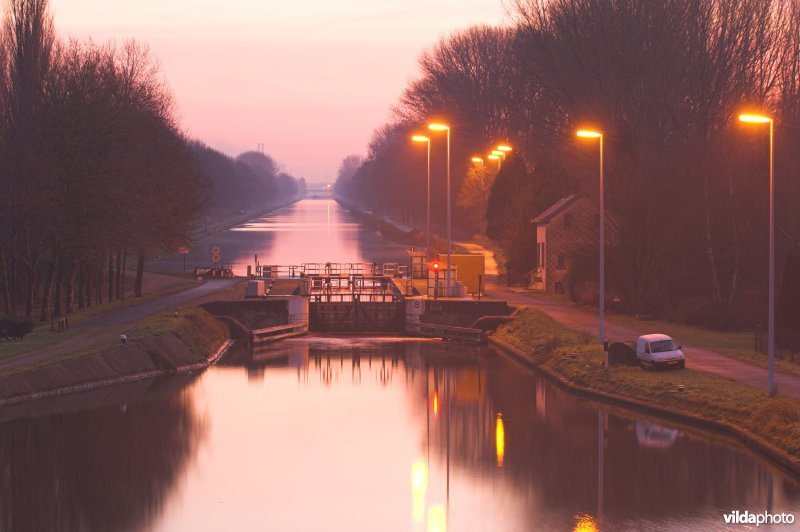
(562, 230)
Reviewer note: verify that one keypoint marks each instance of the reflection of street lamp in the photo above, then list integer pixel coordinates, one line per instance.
(761, 119)
(443, 127)
(427, 140)
(592, 134)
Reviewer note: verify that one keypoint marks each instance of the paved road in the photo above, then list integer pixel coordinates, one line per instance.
(584, 320)
(134, 314)
(108, 328)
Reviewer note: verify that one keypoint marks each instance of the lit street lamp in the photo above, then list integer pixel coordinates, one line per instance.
(761, 119)
(435, 126)
(477, 160)
(592, 134)
(500, 156)
(427, 140)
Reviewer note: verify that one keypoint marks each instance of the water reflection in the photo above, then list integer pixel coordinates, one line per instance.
(489, 446)
(311, 230)
(111, 467)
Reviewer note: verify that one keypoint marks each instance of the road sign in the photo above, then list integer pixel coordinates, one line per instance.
(215, 257)
(215, 250)
(183, 250)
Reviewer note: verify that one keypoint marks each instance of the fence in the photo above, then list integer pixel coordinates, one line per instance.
(787, 342)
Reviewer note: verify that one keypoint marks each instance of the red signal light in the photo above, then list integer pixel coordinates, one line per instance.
(436, 266)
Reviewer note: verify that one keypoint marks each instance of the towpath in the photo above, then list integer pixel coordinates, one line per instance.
(586, 320)
(107, 328)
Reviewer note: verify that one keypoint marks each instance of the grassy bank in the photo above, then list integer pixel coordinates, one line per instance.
(42, 336)
(163, 343)
(734, 344)
(570, 355)
(198, 331)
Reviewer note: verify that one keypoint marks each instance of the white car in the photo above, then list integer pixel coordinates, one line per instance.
(659, 350)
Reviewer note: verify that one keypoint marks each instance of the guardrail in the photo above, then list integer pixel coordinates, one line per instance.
(390, 269)
(278, 332)
(446, 332)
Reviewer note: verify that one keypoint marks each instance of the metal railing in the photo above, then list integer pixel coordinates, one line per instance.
(390, 269)
(787, 342)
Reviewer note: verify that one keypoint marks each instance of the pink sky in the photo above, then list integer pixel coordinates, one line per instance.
(310, 79)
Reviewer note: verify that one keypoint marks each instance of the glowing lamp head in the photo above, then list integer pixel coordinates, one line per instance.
(437, 126)
(754, 118)
(588, 134)
(420, 138)
(493, 157)
(477, 160)
(504, 147)
(499, 153)
(436, 266)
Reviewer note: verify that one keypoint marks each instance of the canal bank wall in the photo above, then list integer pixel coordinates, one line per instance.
(188, 344)
(757, 442)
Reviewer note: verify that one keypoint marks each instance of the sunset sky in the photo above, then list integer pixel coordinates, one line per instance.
(310, 79)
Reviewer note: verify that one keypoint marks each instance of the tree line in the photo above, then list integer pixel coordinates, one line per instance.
(248, 182)
(95, 172)
(686, 183)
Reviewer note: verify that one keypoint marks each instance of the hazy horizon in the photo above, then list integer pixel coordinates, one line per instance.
(310, 81)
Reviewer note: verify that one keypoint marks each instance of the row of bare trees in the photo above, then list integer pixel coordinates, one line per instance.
(686, 184)
(93, 167)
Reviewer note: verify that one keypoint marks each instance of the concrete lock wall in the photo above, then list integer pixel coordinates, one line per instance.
(415, 308)
(297, 307)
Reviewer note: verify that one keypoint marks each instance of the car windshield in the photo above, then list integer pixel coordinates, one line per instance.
(662, 346)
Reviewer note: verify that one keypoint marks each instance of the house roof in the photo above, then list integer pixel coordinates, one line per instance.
(555, 208)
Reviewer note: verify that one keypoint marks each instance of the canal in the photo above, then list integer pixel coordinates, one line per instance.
(362, 433)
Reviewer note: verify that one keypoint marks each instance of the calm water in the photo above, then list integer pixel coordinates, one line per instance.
(363, 433)
(316, 231)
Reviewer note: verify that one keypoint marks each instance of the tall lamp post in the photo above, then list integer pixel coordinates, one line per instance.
(436, 126)
(592, 134)
(427, 140)
(761, 119)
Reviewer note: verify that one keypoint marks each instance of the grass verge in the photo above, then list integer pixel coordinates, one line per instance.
(198, 330)
(735, 344)
(550, 344)
(42, 336)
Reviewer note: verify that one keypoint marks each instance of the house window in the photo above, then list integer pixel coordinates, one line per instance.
(567, 221)
(561, 262)
(559, 287)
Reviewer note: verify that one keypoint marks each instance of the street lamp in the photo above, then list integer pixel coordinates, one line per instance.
(427, 140)
(477, 160)
(504, 147)
(761, 119)
(592, 134)
(500, 156)
(436, 126)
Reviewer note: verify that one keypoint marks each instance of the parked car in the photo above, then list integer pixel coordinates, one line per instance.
(659, 351)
